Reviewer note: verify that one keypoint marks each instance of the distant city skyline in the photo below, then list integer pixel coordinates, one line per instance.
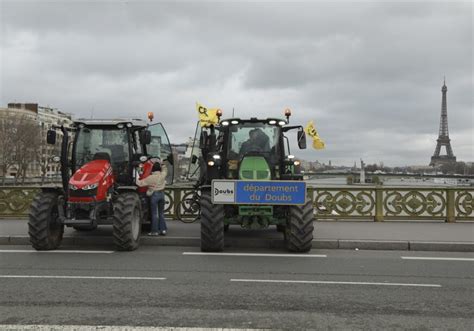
(368, 74)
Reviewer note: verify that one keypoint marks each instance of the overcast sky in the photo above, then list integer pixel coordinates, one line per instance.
(368, 73)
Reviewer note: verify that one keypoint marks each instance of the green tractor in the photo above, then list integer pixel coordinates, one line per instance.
(249, 178)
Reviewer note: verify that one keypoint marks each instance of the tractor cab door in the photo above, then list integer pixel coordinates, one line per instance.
(160, 147)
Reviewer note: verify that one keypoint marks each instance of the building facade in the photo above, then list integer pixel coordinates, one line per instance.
(44, 118)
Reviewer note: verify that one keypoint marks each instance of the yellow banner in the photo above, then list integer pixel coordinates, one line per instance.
(311, 131)
(207, 116)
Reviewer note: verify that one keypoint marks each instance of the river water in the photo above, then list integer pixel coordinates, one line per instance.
(412, 182)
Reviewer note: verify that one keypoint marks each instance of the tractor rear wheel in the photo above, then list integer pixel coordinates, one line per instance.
(127, 221)
(299, 230)
(212, 225)
(44, 227)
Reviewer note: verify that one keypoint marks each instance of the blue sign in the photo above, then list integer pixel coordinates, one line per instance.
(270, 192)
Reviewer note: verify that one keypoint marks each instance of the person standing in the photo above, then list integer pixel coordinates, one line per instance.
(156, 183)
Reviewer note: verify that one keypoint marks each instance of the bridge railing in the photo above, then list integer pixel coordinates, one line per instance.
(377, 203)
(380, 203)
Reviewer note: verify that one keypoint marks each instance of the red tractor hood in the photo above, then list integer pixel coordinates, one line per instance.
(90, 173)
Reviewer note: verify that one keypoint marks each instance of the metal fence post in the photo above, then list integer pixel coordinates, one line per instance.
(378, 204)
(450, 210)
(176, 201)
(310, 195)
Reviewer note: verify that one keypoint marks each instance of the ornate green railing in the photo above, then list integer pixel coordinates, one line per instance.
(376, 203)
(394, 203)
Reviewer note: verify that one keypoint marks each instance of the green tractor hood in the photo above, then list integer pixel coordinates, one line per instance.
(254, 168)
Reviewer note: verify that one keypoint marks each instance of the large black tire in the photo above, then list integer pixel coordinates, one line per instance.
(127, 221)
(85, 227)
(299, 229)
(44, 228)
(212, 225)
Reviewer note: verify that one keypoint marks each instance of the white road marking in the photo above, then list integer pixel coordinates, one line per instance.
(55, 252)
(255, 254)
(171, 237)
(45, 327)
(437, 258)
(82, 277)
(330, 282)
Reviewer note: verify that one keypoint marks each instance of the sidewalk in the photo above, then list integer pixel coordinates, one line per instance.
(429, 236)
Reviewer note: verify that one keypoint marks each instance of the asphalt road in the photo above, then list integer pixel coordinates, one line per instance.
(179, 287)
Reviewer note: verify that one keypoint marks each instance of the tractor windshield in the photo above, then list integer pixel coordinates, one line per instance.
(102, 142)
(257, 137)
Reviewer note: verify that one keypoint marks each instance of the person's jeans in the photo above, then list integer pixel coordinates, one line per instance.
(157, 201)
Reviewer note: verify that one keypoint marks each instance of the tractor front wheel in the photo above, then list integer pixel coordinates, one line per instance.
(212, 225)
(127, 221)
(299, 229)
(44, 227)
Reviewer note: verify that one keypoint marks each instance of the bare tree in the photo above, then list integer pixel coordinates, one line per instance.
(27, 142)
(45, 154)
(7, 135)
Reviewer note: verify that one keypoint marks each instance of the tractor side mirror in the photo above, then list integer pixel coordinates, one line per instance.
(203, 139)
(145, 137)
(51, 137)
(194, 159)
(301, 136)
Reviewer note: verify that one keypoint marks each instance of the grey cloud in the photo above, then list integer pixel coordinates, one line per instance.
(368, 73)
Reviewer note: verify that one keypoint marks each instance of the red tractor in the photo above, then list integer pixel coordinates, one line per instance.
(98, 170)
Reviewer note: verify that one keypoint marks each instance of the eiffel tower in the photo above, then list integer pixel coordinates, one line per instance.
(443, 138)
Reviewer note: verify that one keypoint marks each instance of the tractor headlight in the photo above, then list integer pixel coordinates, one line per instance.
(90, 186)
(214, 160)
(72, 187)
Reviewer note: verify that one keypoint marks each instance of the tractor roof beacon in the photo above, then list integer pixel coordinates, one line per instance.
(254, 150)
(100, 160)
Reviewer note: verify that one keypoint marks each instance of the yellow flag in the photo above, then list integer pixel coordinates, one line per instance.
(311, 131)
(207, 116)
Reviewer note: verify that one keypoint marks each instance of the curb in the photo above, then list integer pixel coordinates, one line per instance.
(402, 245)
(442, 246)
(374, 245)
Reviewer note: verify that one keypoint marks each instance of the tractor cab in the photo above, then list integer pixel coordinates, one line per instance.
(255, 142)
(120, 143)
(249, 149)
(95, 144)
(255, 149)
